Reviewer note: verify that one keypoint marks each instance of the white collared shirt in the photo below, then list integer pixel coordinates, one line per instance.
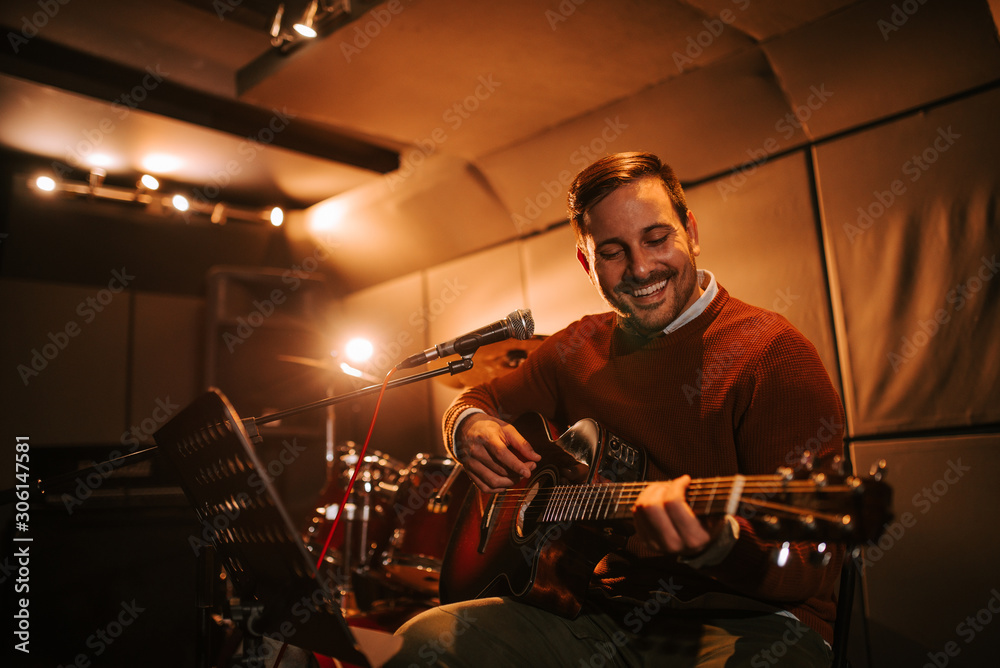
(699, 306)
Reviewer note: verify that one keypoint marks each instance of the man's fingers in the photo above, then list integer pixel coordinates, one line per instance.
(520, 445)
(485, 479)
(665, 520)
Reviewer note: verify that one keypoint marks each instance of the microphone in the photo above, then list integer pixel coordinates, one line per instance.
(517, 325)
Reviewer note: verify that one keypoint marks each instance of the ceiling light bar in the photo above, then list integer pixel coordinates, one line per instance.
(143, 194)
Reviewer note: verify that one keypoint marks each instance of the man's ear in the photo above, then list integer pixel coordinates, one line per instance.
(583, 260)
(692, 231)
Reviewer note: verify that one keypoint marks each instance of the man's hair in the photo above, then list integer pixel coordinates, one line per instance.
(610, 173)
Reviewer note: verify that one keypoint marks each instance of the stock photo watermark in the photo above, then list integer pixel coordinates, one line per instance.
(786, 126)
(957, 297)
(968, 630)
(364, 32)
(89, 309)
(913, 168)
(922, 501)
(714, 27)
(900, 14)
(33, 24)
(555, 190)
(248, 149)
(454, 117)
(137, 435)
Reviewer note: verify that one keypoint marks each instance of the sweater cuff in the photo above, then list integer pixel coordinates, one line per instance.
(452, 436)
(719, 549)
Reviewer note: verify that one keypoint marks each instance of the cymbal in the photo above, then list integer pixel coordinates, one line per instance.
(494, 360)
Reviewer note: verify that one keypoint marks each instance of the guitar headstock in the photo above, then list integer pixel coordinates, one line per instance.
(818, 505)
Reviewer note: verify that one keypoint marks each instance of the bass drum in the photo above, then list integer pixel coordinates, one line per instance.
(424, 512)
(364, 530)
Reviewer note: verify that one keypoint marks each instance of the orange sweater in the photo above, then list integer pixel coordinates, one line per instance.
(736, 390)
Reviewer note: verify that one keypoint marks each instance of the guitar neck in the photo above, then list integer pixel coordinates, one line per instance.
(706, 496)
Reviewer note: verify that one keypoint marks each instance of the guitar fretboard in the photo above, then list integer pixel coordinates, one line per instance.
(706, 496)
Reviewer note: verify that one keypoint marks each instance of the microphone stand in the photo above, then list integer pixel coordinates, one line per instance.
(8, 496)
(457, 366)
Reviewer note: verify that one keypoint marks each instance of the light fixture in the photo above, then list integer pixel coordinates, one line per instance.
(142, 193)
(97, 175)
(318, 15)
(305, 26)
(359, 350)
(277, 216)
(276, 25)
(218, 214)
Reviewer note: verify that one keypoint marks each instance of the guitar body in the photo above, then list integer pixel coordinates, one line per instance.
(499, 546)
(540, 540)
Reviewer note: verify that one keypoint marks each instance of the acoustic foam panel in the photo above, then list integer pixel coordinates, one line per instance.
(912, 226)
(932, 583)
(760, 237)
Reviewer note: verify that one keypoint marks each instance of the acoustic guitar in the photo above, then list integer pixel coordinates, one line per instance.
(540, 540)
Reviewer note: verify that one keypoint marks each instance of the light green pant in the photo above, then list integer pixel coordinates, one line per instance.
(503, 633)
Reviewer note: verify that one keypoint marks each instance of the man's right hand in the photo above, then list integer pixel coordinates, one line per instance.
(494, 455)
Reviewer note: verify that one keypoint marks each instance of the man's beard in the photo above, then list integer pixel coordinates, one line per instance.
(652, 320)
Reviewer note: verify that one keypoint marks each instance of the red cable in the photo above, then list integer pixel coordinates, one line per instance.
(357, 467)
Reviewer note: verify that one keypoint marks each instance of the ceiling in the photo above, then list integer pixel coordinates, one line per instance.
(411, 132)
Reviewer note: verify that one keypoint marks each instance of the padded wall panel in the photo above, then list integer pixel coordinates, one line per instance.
(880, 57)
(391, 316)
(559, 291)
(256, 319)
(71, 344)
(911, 217)
(466, 294)
(169, 340)
(931, 581)
(740, 117)
(760, 237)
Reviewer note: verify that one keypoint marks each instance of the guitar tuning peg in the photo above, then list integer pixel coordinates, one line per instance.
(819, 478)
(838, 464)
(879, 470)
(786, 473)
(806, 460)
(780, 555)
(808, 523)
(820, 556)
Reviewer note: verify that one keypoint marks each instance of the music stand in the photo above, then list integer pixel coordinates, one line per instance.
(241, 512)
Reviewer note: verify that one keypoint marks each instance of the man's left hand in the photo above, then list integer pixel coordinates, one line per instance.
(665, 521)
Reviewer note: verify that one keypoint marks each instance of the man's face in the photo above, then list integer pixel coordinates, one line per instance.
(640, 256)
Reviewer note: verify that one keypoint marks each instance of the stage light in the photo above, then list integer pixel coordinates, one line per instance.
(46, 183)
(305, 26)
(359, 350)
(149, 182)
(180, 203)
(277, 216)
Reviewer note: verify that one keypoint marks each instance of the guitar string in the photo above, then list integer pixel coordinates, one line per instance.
(628, 492)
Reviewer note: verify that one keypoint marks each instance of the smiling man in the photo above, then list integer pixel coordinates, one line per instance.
(706, 385)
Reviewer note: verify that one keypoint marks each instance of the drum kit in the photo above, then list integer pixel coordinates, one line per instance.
(387, 550)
